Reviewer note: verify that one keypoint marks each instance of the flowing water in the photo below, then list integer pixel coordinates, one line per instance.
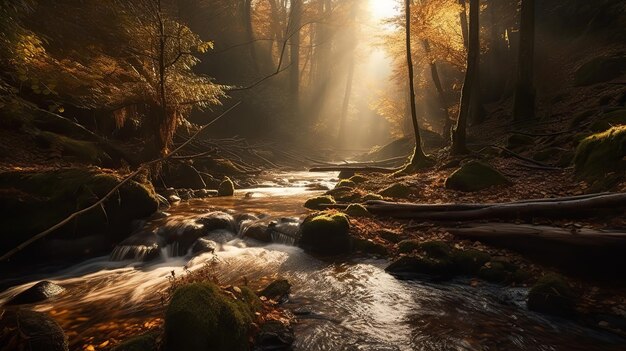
(341, 305)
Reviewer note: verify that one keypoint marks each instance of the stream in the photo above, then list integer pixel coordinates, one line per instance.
(348, 304)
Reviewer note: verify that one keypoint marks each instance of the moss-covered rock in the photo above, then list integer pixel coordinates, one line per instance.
(276, 290)
(602, 153)
(226, 188)
(494, 272)
(345, 194)
(606, 121)
(372, 197)
(552, 295)
(32, 201)
(475, 176)
(325, 233)
(315, 203)
(436, 249)
(408, 246)
(397, 190)
(422, 265)
(345, 183)
(202, 317)
(345, 174)
(518, 141)
(145, 342)
(357, 178)
(470, 261)
(369, 247)
(600, 69)
(357, 210)
(80, 150)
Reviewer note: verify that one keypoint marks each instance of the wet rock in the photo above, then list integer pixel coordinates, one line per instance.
(32, 331)
(357, 210)
(397, 190)
(217, 220)
(186, 194)
(325, 233)
(204, 193)
(174, 199)
(257, 231)
(241, 218)
(277, 290)
(204, 245)
(440, 268)
(37, 293)
(552, 295)
(316, 203)
(285, 230)
(275, 336)
(141, 246)
(221, 236)
(145, 342)
(494, 272)
(226, 188)
(202, 317)
(475, 176)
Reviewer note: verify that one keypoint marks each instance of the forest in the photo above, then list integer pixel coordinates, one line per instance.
(384, 175)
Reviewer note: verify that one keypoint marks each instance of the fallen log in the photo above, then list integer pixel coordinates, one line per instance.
(354, 169)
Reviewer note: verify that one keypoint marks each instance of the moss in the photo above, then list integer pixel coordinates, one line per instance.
(226, 188)
(601, 153)
(276, 290)
(475, 176)
(345, 195)
(201, 317)
(372, 197)
(408, 246)
(146, 342)
(345, 183)
(84, 151)
(315, 203)
(600, 69)
(422, 265)
(397, 190)
(251, 299)
(325, 233)
(552, 295)
(494, 272)
(611, 119)
(470, 261)
(436, 249)
(358, 179)
(517, 141)
(357, 210)
(369, 247)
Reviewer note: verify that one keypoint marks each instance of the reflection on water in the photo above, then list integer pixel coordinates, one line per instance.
(346, 305)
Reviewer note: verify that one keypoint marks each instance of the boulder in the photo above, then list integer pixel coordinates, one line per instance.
(475, 176)
(345, 194)
(372, 197)
(358, 179)
(31, 331)
(315, 203)
(470, 261)
(600, 69)
(368, 246)
(257, 231)
(326, 233)
(217, 220)
(277, 290)
(144, 245)
(202, 317)
(608, 120)
(182, 176)
(37, 293)
(408, 246)
(145, 342)
(345, 183)
(204, 245)
(397, 190)
(440, 268)
(552, 295)
(357, 210)
(600, 154)
(226, 188)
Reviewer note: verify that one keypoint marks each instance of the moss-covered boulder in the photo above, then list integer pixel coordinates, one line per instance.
(74, 149)
(226, 188)
(397, 190)
(357, 210)
(475, 176)
(408, 246)
(145, 342)
(372, 197)
(202, 317)
(316, 203)
(32, 201)
(345, 183)
(519, 141)
(608, 120)
(470, 261)
(600, 69)
(277, 290)
(494, 272)
(368, 246)
(345, 194)
(552, 295)
(325, 233)
(600, 154)
(358, 179)
(440, 268)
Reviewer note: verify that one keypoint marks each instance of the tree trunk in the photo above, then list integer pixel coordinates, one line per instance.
(524, 104)
(247, 24)
(295, 19)
(459, 144)
(418, 154)
(443, 104)
(464, 25)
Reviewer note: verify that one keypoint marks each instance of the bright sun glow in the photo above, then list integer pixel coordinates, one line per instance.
(383, 9)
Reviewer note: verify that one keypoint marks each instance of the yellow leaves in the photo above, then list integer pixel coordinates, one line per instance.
(205, 46)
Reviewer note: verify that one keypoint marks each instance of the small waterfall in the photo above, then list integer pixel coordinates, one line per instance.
(283, 238)
(134, 252)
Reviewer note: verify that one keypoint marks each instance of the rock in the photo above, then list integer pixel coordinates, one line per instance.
(285, 231)
(204, 245)
(389, 235)
(32, 331)
(494, 272)
(325, 233)
(344, 194)
(37, 293)
(369, 247)
(422, 265)
(141, 246)
(315, 203)
(600, 69)
(220, 236)
(518, 141)
(257, 231)
(182, 176)
(217, 220)
(436, 249)
(608, 120)
(277, 290)
(145, 342)
(173, 199)
(470, 261)
(204, 193)
(357, 210)
(275, 335)
(202, 317)
(600, 154)
(345, 183)
(371, 197)
(345, 174)
(552, 295)
(397, 190)
(55, 194)
(358, 179)
(226, 188)
(78, 150)
(475, 176)
(408, 246)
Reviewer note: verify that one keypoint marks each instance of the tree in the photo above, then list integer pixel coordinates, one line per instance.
(295, 20)
(459, 144)
(524, 104)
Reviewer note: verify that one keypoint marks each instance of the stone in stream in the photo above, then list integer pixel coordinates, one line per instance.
(277, 290)
(274, 335)
(141, 246)
(326, 233)
(257, 231)
(204, 245)
(217, 220)
(37, 293)
(31, 331)
(316, 203)
(226, 188)
(552, 295)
